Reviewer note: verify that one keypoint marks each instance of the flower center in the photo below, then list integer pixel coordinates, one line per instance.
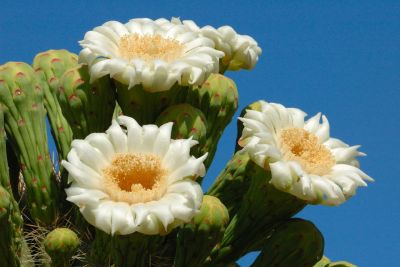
(303, 147)
(149, 47)
(135, 178)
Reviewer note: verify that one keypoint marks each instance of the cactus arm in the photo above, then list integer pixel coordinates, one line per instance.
(88, 107)
(294, 242)
(196, 239)
(261, 208)
(21, 97)
(217, 98)
(11, 236)
(49, 67)
(233, 182)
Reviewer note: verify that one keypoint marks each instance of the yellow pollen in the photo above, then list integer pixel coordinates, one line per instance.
(303, 147)
(135, 178)
(149, 47)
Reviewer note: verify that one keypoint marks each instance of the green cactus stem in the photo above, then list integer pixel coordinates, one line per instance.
(295, 242)
(10, 237)
(233, 182)
(61, 244)
(132, 250)
(325, 262)
(4, 171)
(260, 209)
(49, 66)
(217, 98)
(145, 106)
(21, 98)
(188, 122)
(197, 238)
(87, 107)
(16, 217)
(100, 249)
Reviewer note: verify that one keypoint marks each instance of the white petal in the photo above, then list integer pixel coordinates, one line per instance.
(118, 138)
(281, 175)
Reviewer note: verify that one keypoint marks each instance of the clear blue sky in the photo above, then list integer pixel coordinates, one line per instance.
(338, 57)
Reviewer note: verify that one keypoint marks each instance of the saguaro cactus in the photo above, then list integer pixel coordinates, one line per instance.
(49, 66)
(197, 238)
(21, 97)
(217, 98)
(295, 242)
(188, 122)
(261, 207)
(10, 238)
(61, 244)
(88, 107)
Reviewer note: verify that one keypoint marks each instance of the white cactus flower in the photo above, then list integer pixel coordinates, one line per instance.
(150, 53)
(134, 179)
(241, 51)
(302, 157)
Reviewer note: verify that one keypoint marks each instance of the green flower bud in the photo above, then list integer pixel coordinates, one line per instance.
(61, 244)
(197, 238)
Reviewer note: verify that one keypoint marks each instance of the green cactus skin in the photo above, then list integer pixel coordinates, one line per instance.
(197, 238)
(217, 98)
(325, 262)
(132, 250)
(145, 106)
(61, 244)
(100, 249)
(4, 171)
(21, 99)
(188, 122)
(15, 214)
(261, 208)
(233, 182)
(49, 66)
(87, 107)
(10, 239)
(295, 242)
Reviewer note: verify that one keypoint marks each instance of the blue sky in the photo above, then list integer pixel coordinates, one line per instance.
(338, 57)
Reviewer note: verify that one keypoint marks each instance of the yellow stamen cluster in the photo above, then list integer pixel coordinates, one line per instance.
(135, 178)
(149, 47)
(303, 147)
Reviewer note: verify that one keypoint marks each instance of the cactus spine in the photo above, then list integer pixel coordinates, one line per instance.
(21, 97)
(87, 107)
(61, 244)
(196, 239)
(49, 66)
(295, 242)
